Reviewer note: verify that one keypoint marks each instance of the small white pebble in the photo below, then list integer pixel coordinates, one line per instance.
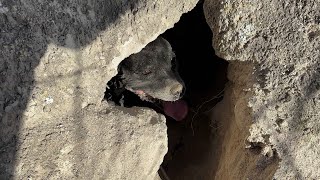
(48, 100)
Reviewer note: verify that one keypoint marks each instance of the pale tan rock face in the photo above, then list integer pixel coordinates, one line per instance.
(95, 144)
(281, 41)
(55, 60)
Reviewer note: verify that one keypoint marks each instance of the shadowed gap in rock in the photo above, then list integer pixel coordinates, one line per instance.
(205, 76)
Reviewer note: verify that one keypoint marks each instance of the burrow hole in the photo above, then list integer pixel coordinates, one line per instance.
(205, 76)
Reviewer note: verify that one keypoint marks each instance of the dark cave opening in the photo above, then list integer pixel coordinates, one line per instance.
(205, 76)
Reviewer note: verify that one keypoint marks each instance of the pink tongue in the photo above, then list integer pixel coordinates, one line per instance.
(178, 110)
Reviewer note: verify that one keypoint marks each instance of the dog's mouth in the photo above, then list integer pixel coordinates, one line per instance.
(177, 110)
(122, 96)
(143, 96)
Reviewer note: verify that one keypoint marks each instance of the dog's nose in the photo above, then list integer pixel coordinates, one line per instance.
(176, 89)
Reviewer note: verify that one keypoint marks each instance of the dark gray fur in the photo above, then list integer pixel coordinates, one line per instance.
(153, 71)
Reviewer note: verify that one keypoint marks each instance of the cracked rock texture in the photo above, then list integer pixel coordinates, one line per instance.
(279, 42)
(55, 60)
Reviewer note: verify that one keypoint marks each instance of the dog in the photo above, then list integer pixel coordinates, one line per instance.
(152, 74)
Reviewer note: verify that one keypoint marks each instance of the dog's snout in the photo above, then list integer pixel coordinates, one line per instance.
(176, 89)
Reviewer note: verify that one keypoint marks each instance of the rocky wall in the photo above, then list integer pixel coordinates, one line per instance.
(280, 41)
(55, 60)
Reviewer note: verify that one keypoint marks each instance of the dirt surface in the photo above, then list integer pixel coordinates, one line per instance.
(234, 158)
(55, 60)
(281, 42)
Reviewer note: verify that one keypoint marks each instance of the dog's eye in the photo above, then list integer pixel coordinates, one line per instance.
(146, 72)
